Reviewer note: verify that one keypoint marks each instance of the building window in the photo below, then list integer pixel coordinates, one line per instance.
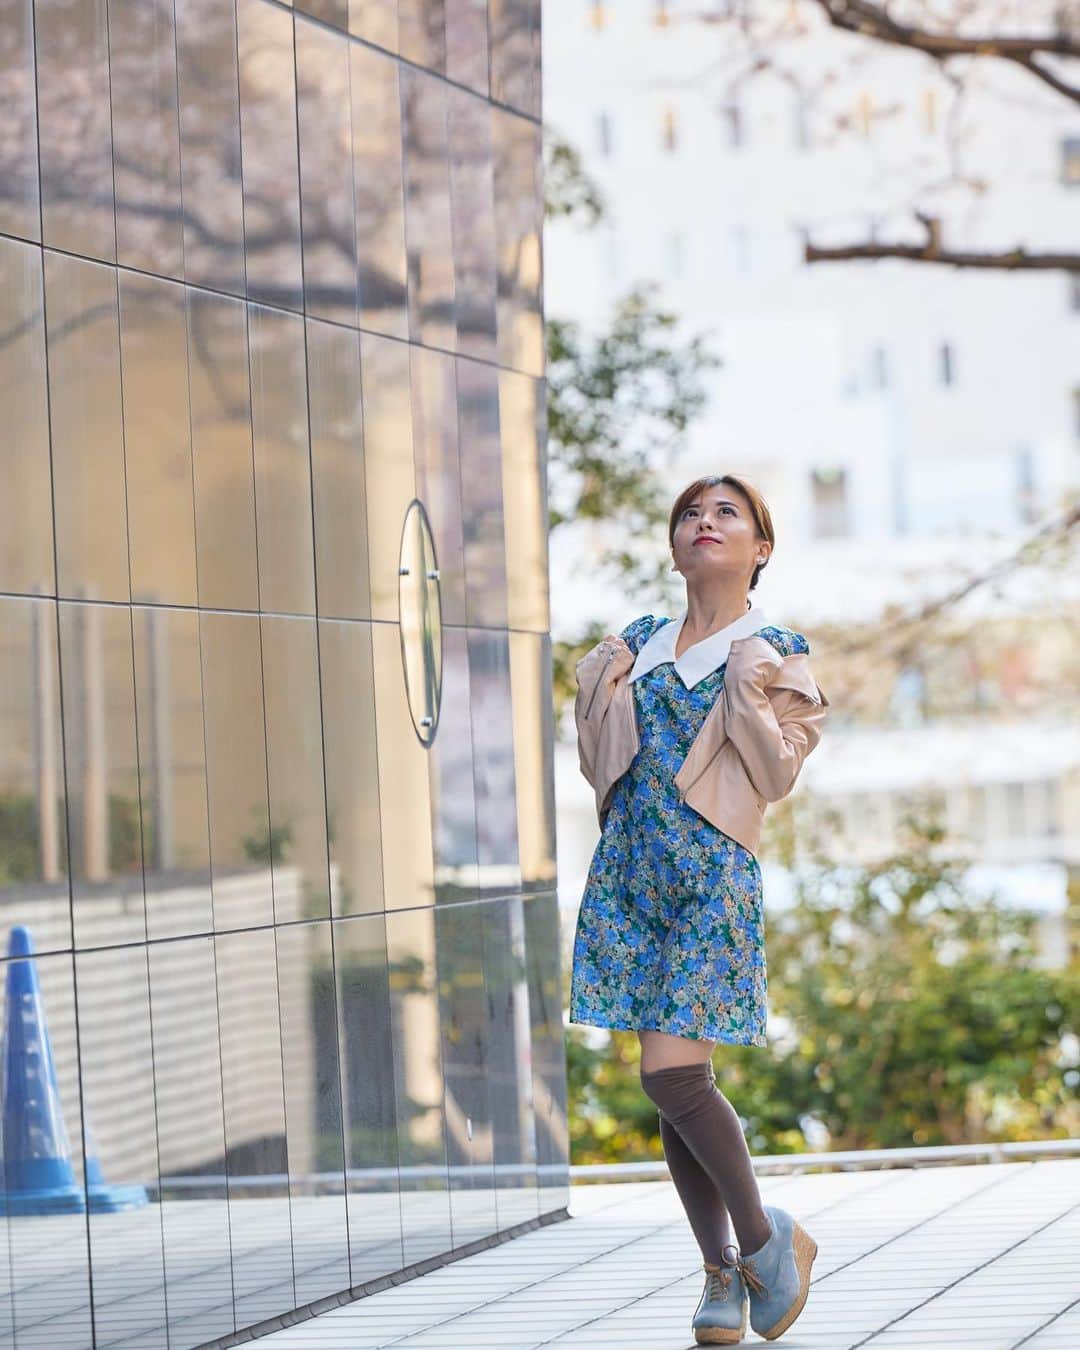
(1074, 292)
(947, 364)
(930, 111)
(1070, 161)
(598, 14)
(739, 246)
(604, 137)
(864, 113)
(879, 364)
(1076, 410)
(661, 13)
(670, 133)
(732, 118)
(801, 120)
(676, 254)
(829, 504)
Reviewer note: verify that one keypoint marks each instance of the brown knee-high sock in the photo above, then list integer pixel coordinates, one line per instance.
(704, 1205)
(687, 1096)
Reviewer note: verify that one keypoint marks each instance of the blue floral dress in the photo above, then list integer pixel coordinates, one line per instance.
(671, 930)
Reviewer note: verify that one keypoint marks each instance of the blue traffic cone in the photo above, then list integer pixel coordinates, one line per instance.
(37, 1173)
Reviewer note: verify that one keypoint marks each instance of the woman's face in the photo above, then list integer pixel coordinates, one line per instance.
(716, 534)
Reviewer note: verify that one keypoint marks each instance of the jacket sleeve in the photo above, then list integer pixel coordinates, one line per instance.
(775, 711)
(594, 673)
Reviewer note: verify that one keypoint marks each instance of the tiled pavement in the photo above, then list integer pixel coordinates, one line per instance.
(981, 1256)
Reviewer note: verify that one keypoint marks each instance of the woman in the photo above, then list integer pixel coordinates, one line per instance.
(687, 728)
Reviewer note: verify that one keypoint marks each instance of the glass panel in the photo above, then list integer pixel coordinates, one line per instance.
(86, 428)
(352, 768)
(313, 1110)
(367, 1071)
(375, 21)
(467, 43)
(270, 156)
(72, 43)
(295, 768)
(256, 1153)
(326, 166)
(518, 224)
(464, 1020)
(427, 211)
(240, 840)
(44, 1274)
(116, 1057)
(337, 467)
(493, 762)
(472, 195)
(146, 136)
(515, 54)
(377, 176)
(404, 782)
(221, 449)
(33, 817)
(26, 523)
(210, 145)
(438, 470)
(19, 202)
(509, 1076)
(191, 1141)
(102, 775)
(282, 461)
(418, 1083)
(329, 11)
(522, 416)
(543, 953)
(422, 32)
(534, 741)
(172, 772)
(454, 807)
(388, 463)
(481, 493)
(157, 440)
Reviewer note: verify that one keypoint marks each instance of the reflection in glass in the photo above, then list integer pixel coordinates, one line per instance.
(452, 784)
(427, 210)
(418, 1080)
(172, 772)
(464, 1017)
(210, 145)
(19, 210)
(515, 54)
(294, 763)
(542, 947)
(282, 461)
(352, 767)
(86, 428)
(377, 176)
(33, 817)
(105, 836)
(422, 32)
(534, 741)
(375, 21)
(467, 43)
(388, 463)
(473, 205)
(509, 1070)
(522, 413)
(26, 525)
(270, 154)
(367, 1074)
(438, 470)
(518, 227)
(157, 440)
(313, 1109)
(256, 1155)
(146, 136)
(421, 621)
(493, 761)
(326, 185)
(72, 46)
(191, 1141)
(337, 471)
(482, 493)
(241, 842)
(44, 1276)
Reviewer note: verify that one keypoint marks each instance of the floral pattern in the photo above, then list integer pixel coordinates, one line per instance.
(670, 934)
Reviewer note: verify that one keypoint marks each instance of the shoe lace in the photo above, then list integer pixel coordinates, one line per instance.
(750, 1276)
(717, 1282)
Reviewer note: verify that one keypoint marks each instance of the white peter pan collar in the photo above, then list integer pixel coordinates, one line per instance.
(703, 657)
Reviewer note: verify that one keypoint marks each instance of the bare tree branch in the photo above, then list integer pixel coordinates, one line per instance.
(933, 250)
(869, 19)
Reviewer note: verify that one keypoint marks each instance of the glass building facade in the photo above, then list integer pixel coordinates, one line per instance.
(282, 1005)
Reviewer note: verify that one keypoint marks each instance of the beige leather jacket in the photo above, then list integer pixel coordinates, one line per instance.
(765, 721)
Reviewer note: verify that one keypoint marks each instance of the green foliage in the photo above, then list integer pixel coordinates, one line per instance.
(903, 1011)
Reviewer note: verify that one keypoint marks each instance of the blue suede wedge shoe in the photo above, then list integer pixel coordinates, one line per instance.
(720, 1318)
(777, 1276)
